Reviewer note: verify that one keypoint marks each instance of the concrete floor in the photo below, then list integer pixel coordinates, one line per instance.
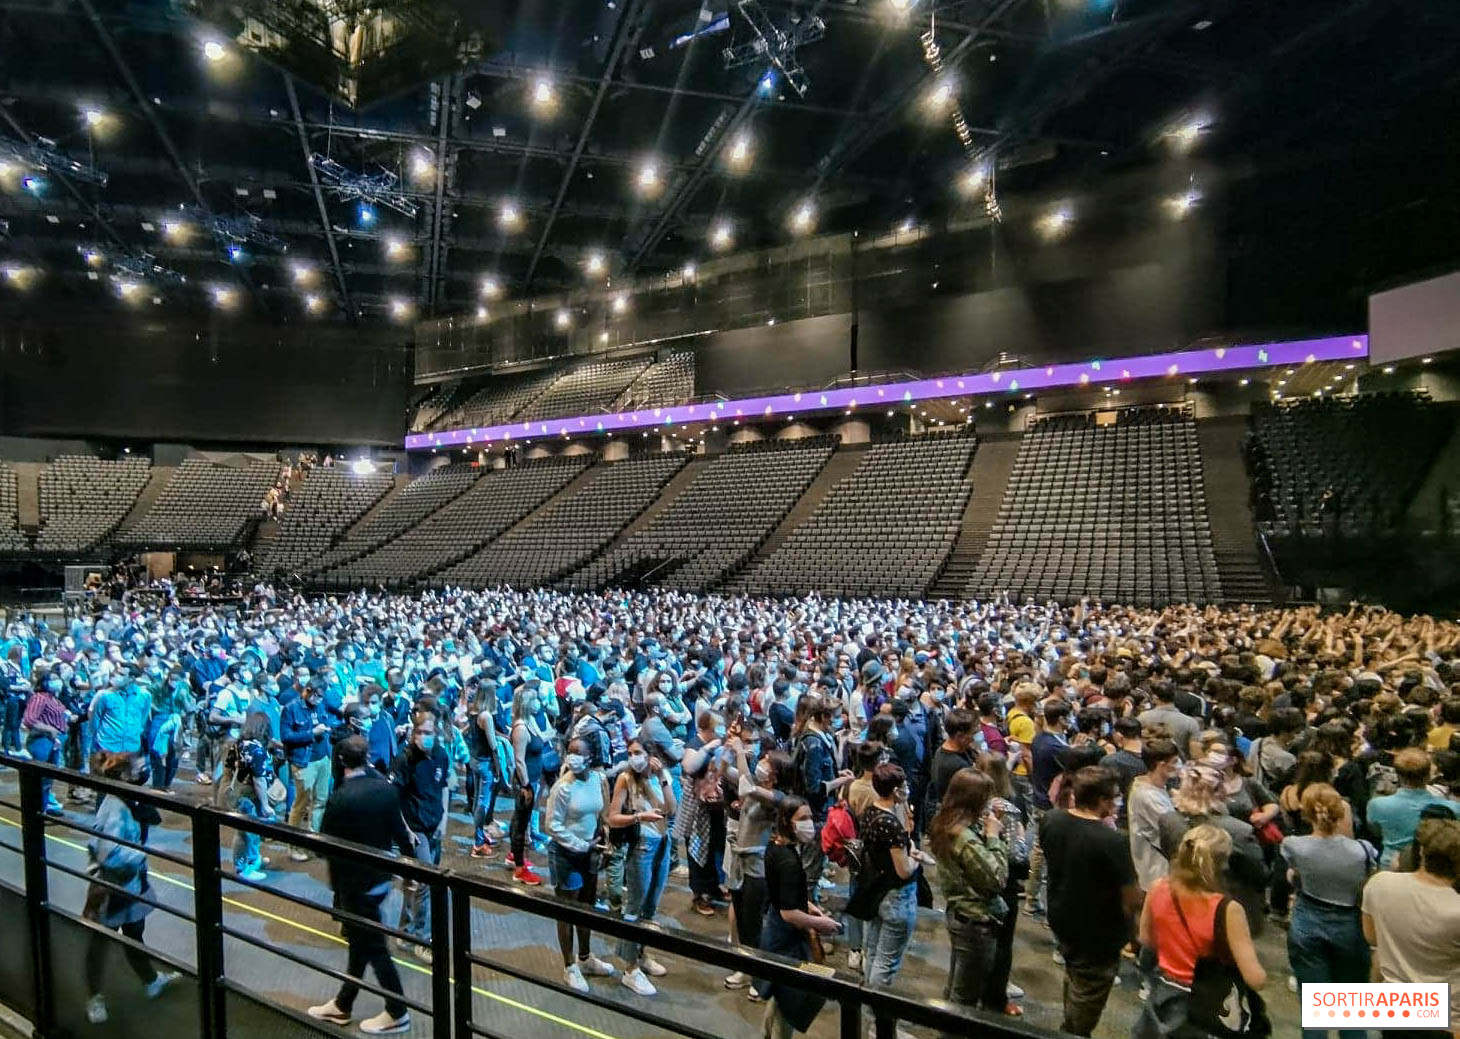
(691, 993)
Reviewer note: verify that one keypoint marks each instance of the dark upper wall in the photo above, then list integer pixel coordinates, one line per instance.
(201, 379)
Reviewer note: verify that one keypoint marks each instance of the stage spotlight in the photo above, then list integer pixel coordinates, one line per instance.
(975, 179)
(223, 296)
(648, 176)
(422, 165)
(941, 96)
(562, 319)
(804, 217)
(482, 314)
(509, 217)
(214, 51)
(313, 303)
(94, 116)
(594, 263)
(722, 235)
(1056, 222)
(400, 308)
(395, 250)
(365, 214)
(302, 273)
(621, 303)
(739, 155)
(1180, 205)
(544, 98)
(688, 272)
(491, 288)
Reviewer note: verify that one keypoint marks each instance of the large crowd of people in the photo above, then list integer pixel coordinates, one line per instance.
(1158, 785)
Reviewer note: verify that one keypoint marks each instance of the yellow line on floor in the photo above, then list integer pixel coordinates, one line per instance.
(407, 964)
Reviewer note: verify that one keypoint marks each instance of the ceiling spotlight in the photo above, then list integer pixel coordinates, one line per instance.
(34, 184)
(395, 249)
(93, 257)
(941, 94)
(1243, 382)
(302, 272)
(93, 116)
(400, 309)
(1183, 136)
(235, 253)
(1181, 204)
(365, 214)
(542, 94)
(421, 164)
(648, 178)
(688, 272)
(213, 51)
(740, 151)
(900, 5)
(491, 288)
(721, 236)
(621, 303)
(975, 179)
(19, 275)
(907, 226)
(1426, 360)
(1055, 223)
(174, 230)
(313, 303)
(1388, 369)
(594, 263)
(803, 217)
(131, 291)
(508, 216)
(481, 313)
(603, 338)
(562, 319)
(223, 296)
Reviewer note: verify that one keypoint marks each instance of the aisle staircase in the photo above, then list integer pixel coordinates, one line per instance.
(992, 463)
(155, 483)
(844, 461)
(28, 496)
(1240, 566)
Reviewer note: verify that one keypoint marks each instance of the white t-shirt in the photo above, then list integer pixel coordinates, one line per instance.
(1417, 924)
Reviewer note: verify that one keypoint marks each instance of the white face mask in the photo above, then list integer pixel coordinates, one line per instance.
(638, 762)
(805, 830)
(763, 773)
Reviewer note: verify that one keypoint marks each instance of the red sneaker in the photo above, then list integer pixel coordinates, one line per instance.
(525, 875)
(483, 851)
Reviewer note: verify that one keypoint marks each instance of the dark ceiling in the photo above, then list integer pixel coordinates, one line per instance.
(1058, 95)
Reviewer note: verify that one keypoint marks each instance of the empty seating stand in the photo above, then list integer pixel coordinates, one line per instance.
(12, 539)
(1116, 512)
(205, 505)
(498, 401)
(1342, 465)
(416, 500)
(82, 499)
(565, 534)
(670, 380)
(718, 521)
(883, 530)
(493, 504)
(587, 389)
(434, 405)
(323, 506)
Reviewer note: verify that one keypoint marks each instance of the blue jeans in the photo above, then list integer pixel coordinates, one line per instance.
(646, 872)
(486, 801)
(47, 750)
(415, 910)
(246, 854)
(1326, 944)
(889, 933)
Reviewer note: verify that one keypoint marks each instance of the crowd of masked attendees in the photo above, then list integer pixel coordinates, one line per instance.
(1148, 787)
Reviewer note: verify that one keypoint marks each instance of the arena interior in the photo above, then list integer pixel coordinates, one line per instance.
(858, 511)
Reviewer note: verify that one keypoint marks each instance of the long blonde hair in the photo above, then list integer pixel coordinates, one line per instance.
(1201, 858)
(1197, 794)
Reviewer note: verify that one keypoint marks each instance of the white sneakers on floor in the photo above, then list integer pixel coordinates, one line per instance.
(329, 1012)
(154, 988)
(96, 1010)
(383, 1024)
(573, 978)
(651, 966)
(636, 983)
(593, 967)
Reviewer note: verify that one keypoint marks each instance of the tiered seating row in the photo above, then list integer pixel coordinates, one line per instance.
(82, 499)
(328, 502)
(204, 505)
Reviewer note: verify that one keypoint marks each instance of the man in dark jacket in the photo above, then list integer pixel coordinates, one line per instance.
(364, 810)
(305, 733)
(422, 777)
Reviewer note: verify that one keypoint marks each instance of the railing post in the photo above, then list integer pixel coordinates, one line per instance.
(443, 958)
(208, 922)
(851, 1025)
(37, 896)
(461, 961)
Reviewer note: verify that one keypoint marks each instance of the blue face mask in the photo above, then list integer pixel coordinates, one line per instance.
(719, 732)
(428, 743)
(53, 686)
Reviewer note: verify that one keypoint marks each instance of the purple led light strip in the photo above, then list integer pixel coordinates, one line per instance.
(1184, 363)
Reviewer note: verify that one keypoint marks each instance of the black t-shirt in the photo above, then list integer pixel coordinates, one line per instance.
(785, 879)
(1127, 766)
(881, 832)
(1088, 864)
(250, 761)
(946, 764)
(782, 718)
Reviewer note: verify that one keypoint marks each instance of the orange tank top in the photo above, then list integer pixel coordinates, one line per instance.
(1180, 945)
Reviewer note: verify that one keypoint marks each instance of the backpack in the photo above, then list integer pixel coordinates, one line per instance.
(839, 841)
(801, 761)
(1382, 779)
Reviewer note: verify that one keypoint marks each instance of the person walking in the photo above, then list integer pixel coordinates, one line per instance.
(364, 810)
(121, 872)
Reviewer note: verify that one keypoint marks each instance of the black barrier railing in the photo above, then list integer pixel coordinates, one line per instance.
(450, 1010)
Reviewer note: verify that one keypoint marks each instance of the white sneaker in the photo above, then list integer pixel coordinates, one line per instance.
(737, 980)
(594, 967)
(256, 876)
(1292, 983)
(1058, 957)
(574, 977)
(298, 856)
(636, 983)
(96, 1010)
(651, 966)
(383, 1024)
(154, 987)
(331, 1013)
(1013, 991)
(854, 961)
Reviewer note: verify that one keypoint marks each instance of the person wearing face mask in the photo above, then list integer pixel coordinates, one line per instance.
(252, 773)
(643, 802)
(760, 793)
(791, 918)
(306, 739)
(120, 713)
(225, 719)
(530, 740)
(577, 810)
(161, 738)
(700, 821)
(46, 721)
(117, 906)
(422, 777)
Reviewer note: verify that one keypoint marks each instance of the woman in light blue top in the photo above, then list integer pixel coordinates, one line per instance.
(577, 808)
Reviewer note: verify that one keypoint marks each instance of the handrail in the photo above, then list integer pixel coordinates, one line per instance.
(452, 895)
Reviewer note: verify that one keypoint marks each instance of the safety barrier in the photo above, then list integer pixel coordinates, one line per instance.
(42, 943)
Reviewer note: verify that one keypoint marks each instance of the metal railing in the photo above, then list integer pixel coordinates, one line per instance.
(449, 1011)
